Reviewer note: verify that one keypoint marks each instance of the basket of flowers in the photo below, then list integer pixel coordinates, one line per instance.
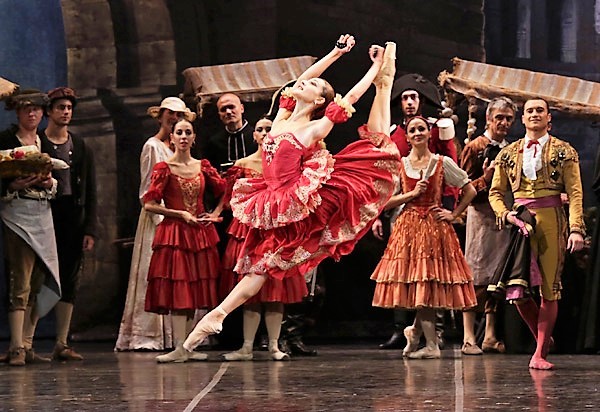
(24, 161)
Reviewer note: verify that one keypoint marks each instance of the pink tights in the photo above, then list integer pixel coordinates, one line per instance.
(541, 324)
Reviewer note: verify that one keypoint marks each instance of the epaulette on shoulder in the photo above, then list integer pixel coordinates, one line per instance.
(508, 154)
(563, 151)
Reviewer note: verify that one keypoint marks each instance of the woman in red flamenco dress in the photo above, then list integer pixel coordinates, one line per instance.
(423, 267)
(275, 292)
(310, 205)
(184, 267)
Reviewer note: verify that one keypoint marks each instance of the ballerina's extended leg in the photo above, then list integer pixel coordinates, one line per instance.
(380, 115)
(212, 322)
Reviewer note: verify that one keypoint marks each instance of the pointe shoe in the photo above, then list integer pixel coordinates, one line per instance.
(385, 77)
(179, 355)
(197, 356)
(238, 355)
(278, 355)
(203, 329)
(469, 348)
(412, 340)
(540, 364)
(425, 353)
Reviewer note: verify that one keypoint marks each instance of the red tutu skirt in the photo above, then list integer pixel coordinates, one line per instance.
(286, 290)
(184, 268)
(340, 201)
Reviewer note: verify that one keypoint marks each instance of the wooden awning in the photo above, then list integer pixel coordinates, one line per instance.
(485, 81)
(252, 81)
(7, 88)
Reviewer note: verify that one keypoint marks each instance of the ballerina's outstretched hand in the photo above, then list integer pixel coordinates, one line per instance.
(376, 53)
(345, 43)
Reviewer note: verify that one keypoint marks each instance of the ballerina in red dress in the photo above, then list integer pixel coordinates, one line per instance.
(275, 292)
(310, 205)
(184, 267)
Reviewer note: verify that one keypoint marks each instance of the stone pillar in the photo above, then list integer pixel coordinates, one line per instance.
(90, 43)
(144, 43)
(98, 291)
(155, 47)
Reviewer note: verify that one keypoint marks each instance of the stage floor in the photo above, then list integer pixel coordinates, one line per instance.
(345, 377)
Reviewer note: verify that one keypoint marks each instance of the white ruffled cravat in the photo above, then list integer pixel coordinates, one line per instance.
(532, 156)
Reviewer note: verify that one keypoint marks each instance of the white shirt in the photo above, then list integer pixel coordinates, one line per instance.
(494, 142)
(453, 174)
(532, 156)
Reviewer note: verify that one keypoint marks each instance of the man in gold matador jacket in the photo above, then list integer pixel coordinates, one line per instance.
(537, 169)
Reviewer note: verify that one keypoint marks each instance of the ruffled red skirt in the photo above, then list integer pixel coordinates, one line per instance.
(184, 268)
(364, 176)
(286, 290)
(423, 266)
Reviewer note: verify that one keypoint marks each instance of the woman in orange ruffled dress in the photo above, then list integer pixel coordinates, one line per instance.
(423, 267)
(275, 292)
(184, 267)
(310, 205)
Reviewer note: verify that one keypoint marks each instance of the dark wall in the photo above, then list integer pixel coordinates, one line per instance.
(428, 34)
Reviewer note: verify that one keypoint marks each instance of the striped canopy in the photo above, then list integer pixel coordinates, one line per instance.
(251, 81)
(485, 81)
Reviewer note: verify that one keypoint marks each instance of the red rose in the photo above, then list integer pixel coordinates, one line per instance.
(18, 154)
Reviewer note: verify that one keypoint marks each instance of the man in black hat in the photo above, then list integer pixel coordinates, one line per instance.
(411, 92)
(28, 231)
(73, 208)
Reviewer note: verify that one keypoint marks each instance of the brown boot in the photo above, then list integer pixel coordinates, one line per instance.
(16, 357)
(65, 353)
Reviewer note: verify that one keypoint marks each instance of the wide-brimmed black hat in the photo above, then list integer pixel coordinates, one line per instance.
(420, 84)
(26, 97)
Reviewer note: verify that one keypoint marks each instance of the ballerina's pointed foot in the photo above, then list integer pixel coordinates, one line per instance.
(276, 354)
(385, 77)
(207, 326)
(179, 355)
(238, 355)
(412, 340)
(540, 364)
(426, 353)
